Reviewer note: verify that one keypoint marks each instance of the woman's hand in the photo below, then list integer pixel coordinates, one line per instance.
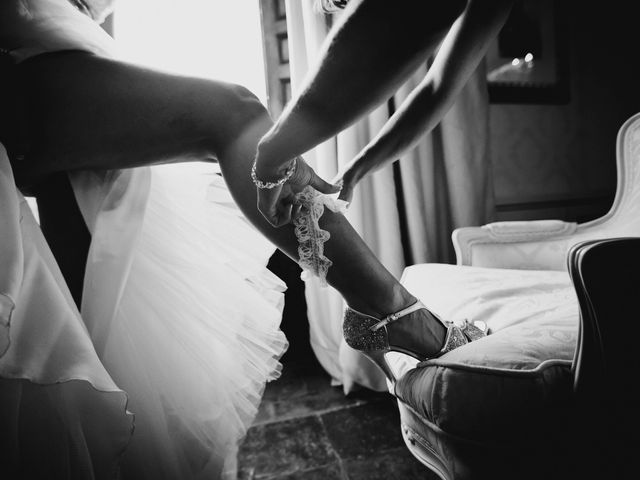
(348, 177)
(277, 204)
(347, 183)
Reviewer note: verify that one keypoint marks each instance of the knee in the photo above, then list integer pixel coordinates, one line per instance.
(243, 94)
(249, 108)
(241, 110)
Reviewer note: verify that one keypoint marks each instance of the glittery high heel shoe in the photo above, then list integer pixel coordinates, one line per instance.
(369, 335)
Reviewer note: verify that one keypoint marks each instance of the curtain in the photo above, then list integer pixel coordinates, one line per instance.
(444, 183)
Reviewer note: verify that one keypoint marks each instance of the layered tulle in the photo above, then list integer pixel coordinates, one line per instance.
(196, 332)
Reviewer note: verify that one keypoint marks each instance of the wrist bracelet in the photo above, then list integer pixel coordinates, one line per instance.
(269, 185)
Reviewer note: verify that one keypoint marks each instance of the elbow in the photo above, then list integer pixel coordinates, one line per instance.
(435, 95)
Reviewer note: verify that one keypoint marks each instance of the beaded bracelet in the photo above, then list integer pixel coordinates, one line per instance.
(269, 185)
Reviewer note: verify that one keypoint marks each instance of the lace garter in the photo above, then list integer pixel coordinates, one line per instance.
(311, 238)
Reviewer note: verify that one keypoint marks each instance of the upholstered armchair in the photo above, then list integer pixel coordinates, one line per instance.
(550, 392)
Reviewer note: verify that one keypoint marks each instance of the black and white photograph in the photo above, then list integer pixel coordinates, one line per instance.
(319, 240)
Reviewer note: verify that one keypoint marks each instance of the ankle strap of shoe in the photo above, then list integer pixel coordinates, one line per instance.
(397, 316)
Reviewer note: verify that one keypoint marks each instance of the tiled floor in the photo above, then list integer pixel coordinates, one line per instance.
(308, 430)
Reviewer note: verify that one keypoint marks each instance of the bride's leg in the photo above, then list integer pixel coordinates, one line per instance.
(85, 112)
(358, 275)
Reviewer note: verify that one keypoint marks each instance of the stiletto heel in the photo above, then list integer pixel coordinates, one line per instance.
(378, 357)
(369, 335)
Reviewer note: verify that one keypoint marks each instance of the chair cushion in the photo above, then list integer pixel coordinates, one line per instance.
(517, 378)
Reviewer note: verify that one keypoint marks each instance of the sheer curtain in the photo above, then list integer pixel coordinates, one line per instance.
(442, 184)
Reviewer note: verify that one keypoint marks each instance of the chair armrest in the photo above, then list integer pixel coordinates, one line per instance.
(606, 276)
(533, 245)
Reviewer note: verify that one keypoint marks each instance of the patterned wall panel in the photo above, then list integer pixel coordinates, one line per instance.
(559, 160)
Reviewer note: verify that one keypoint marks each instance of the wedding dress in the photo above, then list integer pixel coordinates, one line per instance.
(162, 373)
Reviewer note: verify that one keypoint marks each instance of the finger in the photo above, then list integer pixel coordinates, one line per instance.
(271, 217)
(267, 206)
(346, 194)
(323, 186)
(284, 215)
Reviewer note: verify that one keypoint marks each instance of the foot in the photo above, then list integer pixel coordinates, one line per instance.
(420, 332)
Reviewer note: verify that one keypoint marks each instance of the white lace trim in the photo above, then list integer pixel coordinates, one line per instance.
(311, 238)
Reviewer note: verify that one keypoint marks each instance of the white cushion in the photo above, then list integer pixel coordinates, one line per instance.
(513, 303)
(516, 372)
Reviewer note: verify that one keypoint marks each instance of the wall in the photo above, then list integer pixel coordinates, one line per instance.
(558, 161)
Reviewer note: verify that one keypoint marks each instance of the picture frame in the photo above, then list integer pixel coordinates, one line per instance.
(528, 62)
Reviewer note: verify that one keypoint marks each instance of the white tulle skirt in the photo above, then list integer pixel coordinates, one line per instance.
(163, 372)
(195, 334)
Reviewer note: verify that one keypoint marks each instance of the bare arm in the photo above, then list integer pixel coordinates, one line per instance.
(372, 50)
(458, 57)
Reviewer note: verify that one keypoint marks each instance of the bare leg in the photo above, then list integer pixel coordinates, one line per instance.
(86, 112)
